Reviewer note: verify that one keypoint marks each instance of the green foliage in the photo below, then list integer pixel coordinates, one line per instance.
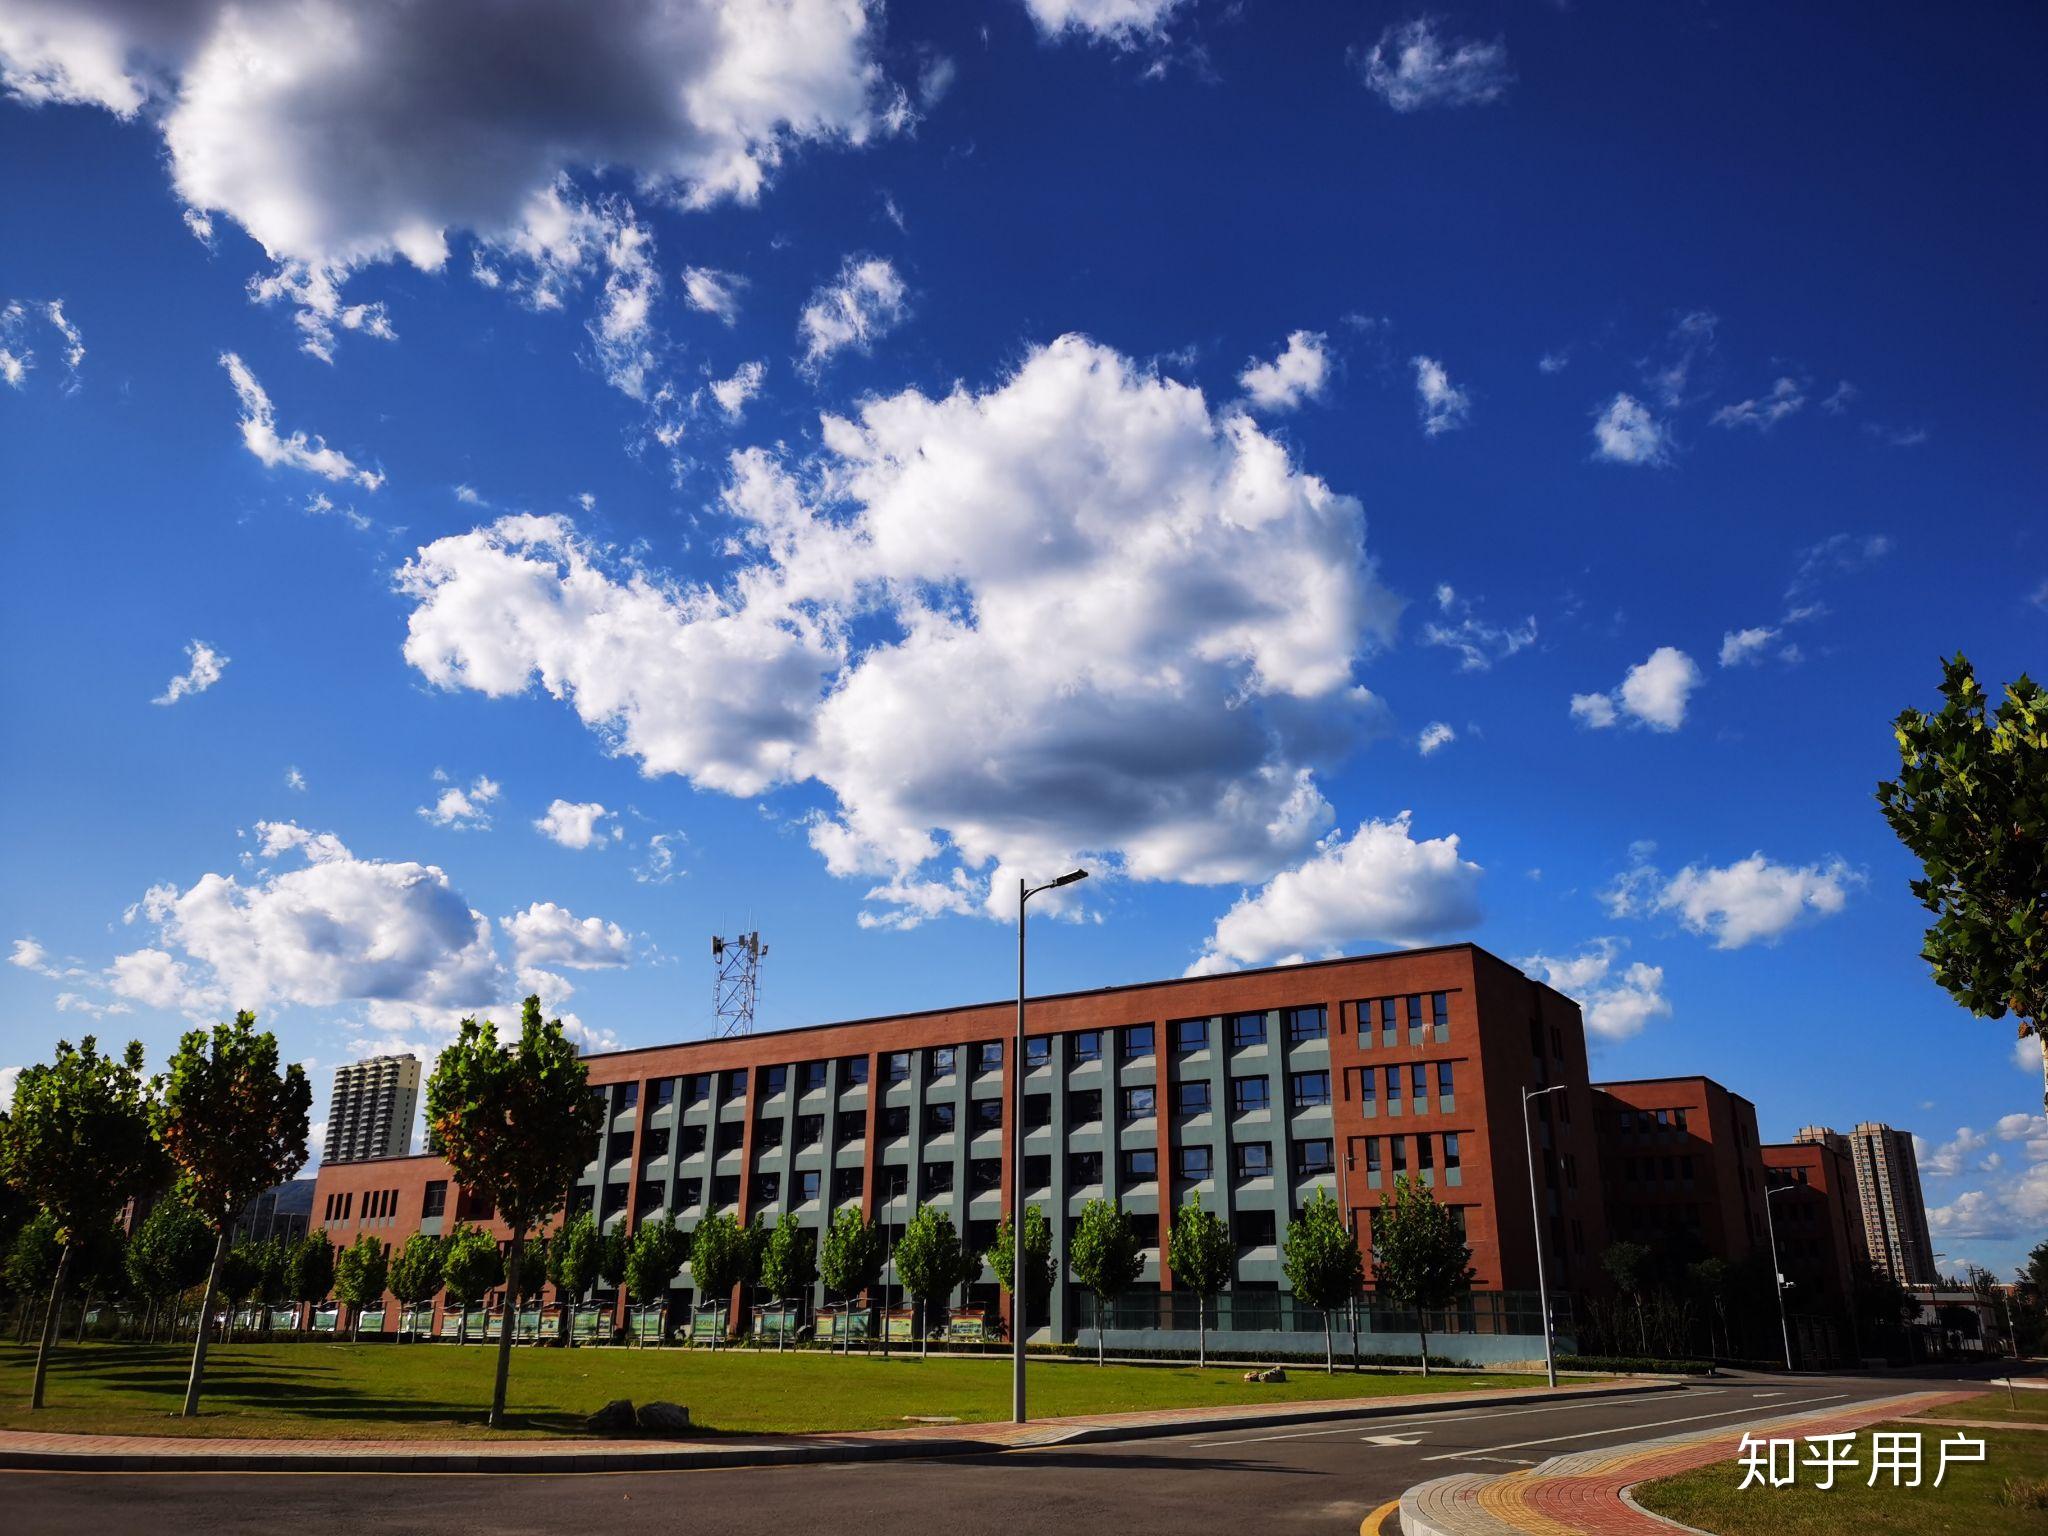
(574, 1256)
(360, 1273)
(611, 1257)
(170, 1250)
(928, 1255)
(789, 1265)
(231, 1121)
(718, 1257)
(1971, 803)
(853, 1254)
(471, 1265)
(533, 1268)
(1039, 1268)
(1104, 1255)
(1628, 1266)
(515, 1123)
(78, 1138)
(1419, 1258)
(312, 1268)
(1200, 1252)
(241, 1273)
(652, 1259)
(32, 1257)
(1320, 1256)
(415, 1276)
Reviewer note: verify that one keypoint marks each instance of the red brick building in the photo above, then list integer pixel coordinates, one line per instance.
(1255, 1088)
(1682, 1168)
(1819, 1220)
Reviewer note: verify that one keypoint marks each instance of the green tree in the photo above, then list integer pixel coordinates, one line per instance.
(77, 1141)
(1628, 1266)
(573, 1258)
(718, 1258)
(928, 1261)
(1321, 1260)
(516, 1126)
(611, 1257)
(1420, 1259)
(852, 1257)
(312, 1269)
(415, 1277)
(32, 1261)
(1713, 1279)
(471, 1265)
(234, 1125)
(360, 1274)
(1039, 1268)
(653, 1257)
(789, 1264)
(169, 1252)
(1106, 1258)
(239, 1278)
(1971, 804)
(1201, 1256)
(273, 1280)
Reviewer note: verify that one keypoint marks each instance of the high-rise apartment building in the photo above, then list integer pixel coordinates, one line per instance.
(372, 1109)
(1888, 1190)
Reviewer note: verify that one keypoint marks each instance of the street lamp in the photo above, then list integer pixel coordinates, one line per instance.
(1777, 1279)
(1020, 1288)
(1536, 1229)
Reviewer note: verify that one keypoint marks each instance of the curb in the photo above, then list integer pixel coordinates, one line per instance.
(713, 1457)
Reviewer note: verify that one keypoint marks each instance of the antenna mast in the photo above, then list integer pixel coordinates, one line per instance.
(737, 984)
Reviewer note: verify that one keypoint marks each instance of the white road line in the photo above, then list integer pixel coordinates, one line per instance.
(1594, 1434)
(1417, 1418)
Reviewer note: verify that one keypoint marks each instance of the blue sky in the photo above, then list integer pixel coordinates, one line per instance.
(850, 465)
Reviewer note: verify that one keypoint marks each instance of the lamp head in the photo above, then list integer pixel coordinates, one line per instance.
(1070, 877)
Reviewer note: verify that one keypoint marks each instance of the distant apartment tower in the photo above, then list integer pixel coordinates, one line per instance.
(372, 1109)
(1888, 1190)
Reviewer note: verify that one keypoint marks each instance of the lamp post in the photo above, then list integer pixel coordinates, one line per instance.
(1536, 1230)
(1020, 1286)
(1777, 1279)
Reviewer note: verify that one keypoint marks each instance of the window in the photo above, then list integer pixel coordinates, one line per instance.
(735, 1084)
(1037, 1111)
(991, 1056)
(1415, 1018)
(767, 1188)
(1140, 1165)
(1306, 1024)
(1190, 1035)
(1446, 1080)
(697, 1087)
(689, 1192)
(1085, 1107)
(1247, 1029)
(769, 1135)
(988, 1115)
(664, 1093)
(1253, 1159)
(1418, 1082)
(654, 1144)
(984, 1174)
(730, 1135)
(1393, 1090)
(895, 1122)
(1137, 1042)
(1084, 1046)
(774, 1080)
(852, 1125)
(725, 1190)
(1440, 1014)
(629, 1096)
(895, 1182)
(1557, 1042)
(938, 1119)
(897, 1064)
(1398, 1147)
(436, 1201)
(853, 1071)
(1248, 1094)
(1037, 1052)
(1390, 1014)
(650, 1196)
(1191, 1099)
(1307, 1090)
(1425, 1154)
(1368, 1080)
(1254, 1229)
(939, 1061)
(1194, 1162)
(1038, 1171)
(1135, 1104)
(807, 1186)
(810, 1130)
(813, 1076)
(690, 1140)
(1084, 1169)
(1314, 1157)
(1452, 1163)
(1372, 1156)
(938, 1178)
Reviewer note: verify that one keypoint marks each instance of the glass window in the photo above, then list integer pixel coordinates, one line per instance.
(1037, 1110)
(1190, 1035)
(939, 1061)
(1140, 1165)
(1418, 1080)
(852, 1125)
(1425, 1152)
(1247, 1029)
(629, 1095)
(895, 1122)
(938, 1119)
(1390, 1018)
(988, 1115)
(436, 1201)
(810, 1130)
(1038, 1171)
(730, 1134)
(1085, 1045)
(1393, 1086)
(1248, 1094)
(1254, 1229)
(1446, 1080)
(1085, 1108)
(897, 1064)
(1372, 1154)
(774, 1080)
(1440, 1013)
(736, 1083)
(1451, 1150)
(938, 1178)
(984, 1174)
(1309, 1089)
(895, 1182)
(1084, 1169)
(768, 1135)
(1415, 1016)
(1137, 1042)
(1194, 1162)
(992, 1056)
(725, 1190)
(1314, 1157)
(698, 1088)
(1305, 1024)
(767, 1188)
(813, 1076)
(664, 1092)
(1253, 1159)
(1037, 1051)
(689, 1192)
(807, 1185)
(1137, 1104)
(853, 1071)
(1398, 1146)
(1191, 1098)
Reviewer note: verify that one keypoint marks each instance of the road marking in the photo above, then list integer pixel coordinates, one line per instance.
(1393, 1439)
(1767, 1394)
(1594, 1434)
(1425, 1418)
(1374, 1524)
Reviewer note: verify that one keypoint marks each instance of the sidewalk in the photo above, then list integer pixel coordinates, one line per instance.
(21, 1450)
(1587, 1491)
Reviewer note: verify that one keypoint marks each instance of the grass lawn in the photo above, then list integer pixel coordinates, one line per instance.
(1969, 1501)
(2027, 1405)
(428, 1391)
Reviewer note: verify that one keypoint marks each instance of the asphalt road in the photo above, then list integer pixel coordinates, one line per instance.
(1315, 1479)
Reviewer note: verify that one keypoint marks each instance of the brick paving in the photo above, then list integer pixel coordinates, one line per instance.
(1580, 1494)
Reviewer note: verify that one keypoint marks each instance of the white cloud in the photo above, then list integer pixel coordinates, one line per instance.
(293, 779)
(31, 956)
(865, 302)
(1654, 692)
(1838, 555)
(1412, 67)
(658, 867)
(276, 838)
(462, 809)
(623, 327)
(1951, 1157)
(1443, 406)
(1124, 23)
(78, 1002)
(1299, 373)
(1786, 397)
(205, 670)
(1746, 647)
(1625, 432)
(548, 935)
(1478, 644)
(1617, 1003)
(1435, 736)
(576, 824)
(17, 357)
(9, 1076)
(733, 394)
(1379, 884)
(1754, 899)
(1555, 362)
(299, 451)
(1153, 610)
(711, 292)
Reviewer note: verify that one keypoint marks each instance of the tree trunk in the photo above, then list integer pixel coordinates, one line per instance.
(84, 1307)
(1329, 1348)
(192, 1385)
(1101, 1327)
(1422, 1333)
(511, 1323)
(1201, 1334)
(35, 1397)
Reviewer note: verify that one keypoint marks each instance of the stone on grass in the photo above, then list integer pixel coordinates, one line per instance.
(614, 1418)
(665, 1418)
(1275, 1373)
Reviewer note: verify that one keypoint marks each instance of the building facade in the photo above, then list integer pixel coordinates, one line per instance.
(283, 1211)
(1255, 1089)
(1894, 1211)
(1682, 1167)
(1819, 1219)
(371, 1111)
